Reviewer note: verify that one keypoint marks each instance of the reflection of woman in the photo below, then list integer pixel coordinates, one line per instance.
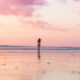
(39, 40)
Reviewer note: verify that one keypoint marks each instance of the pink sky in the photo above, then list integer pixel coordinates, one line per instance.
(56, 22)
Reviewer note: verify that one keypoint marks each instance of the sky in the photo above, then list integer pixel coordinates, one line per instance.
(56, 22)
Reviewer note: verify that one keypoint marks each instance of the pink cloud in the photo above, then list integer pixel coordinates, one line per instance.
(44, 25)
(20, 7)
(30, 2)
(78, 25)
(63, 1)
(76, 0)
(78, 12)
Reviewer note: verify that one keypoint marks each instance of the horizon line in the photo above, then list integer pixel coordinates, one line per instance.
(33, 46)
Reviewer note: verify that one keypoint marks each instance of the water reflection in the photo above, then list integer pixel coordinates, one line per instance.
(54, 65)
(56, 75)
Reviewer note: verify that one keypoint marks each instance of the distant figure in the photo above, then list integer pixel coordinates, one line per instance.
(39, 41)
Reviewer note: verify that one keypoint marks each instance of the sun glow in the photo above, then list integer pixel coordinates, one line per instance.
(24, 22)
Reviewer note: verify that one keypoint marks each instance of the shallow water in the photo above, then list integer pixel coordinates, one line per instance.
(54, 65)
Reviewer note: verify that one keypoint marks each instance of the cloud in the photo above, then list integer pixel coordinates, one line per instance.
(20, 7)
(78, 25)
(78, 12)
(30, 2)
(76, 0)
(63, 1)
(44, 25)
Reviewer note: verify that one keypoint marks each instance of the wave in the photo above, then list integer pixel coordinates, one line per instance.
(7, 47)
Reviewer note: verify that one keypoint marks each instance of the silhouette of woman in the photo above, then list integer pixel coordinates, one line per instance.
(39, 41)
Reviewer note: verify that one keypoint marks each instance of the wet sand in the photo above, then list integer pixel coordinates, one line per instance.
(54, 65)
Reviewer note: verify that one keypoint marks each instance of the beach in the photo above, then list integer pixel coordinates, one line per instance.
(39, 39)
(54, 65)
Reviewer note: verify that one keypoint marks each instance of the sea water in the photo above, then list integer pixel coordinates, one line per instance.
(53, 65)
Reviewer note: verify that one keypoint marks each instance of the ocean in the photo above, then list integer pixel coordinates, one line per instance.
(55, 64)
